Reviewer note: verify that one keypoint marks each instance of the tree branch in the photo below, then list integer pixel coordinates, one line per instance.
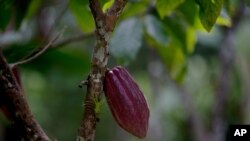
(116, 8)
(13, 101)
(37, 53)
(51, 45)
(104, 26)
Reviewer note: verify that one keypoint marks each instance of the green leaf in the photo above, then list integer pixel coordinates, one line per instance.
(82, 13)
(102, 2)
(190, 39)
(155, 29)
(127, 39)
(181, 32)
(209, 12)
(172, 56)
(20, 11)
(5, 12)
(33, 8)
(189, 11)
(165, 7)
(135, 8)
(176, 31)
(248, 2)
(107, 5)
(224, 21)
(230, 6)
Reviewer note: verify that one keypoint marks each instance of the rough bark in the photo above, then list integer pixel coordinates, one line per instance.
(105, 23)
(15, 106)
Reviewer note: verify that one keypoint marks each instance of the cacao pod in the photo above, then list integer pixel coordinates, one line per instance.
(126, 101)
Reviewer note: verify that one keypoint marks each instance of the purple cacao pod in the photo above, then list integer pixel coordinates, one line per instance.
(126, 101)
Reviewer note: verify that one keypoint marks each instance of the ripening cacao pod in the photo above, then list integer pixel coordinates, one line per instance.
(126, 101)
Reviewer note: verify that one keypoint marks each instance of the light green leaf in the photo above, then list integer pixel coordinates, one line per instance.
(102, 2)
(190, 39)
(225, 21)
(165, 7)
(127, 39)
(82, 13)
(155, 29)
(209, 12)
(107, 5)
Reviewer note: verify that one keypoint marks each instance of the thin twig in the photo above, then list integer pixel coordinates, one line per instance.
(39, 53)
(71, 40)
(52, 45)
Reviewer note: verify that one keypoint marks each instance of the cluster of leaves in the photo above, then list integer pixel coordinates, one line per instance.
(169, 26)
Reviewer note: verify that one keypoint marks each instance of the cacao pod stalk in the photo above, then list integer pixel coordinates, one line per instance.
(126, 101)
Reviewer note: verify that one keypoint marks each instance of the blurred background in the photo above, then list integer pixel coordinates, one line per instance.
(196, 82)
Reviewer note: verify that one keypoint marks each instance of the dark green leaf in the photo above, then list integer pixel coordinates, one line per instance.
(33, 8)
(127, 39)
(189, 11)
(176, 31)
(5, 12)
(248, 2)
(12, 11)
(20, 11)
(209, 12)
(230, 6)
(165, 7)
(83, 15)
(181, 32)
